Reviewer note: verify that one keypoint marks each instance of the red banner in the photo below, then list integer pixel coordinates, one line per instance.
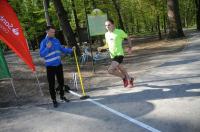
(11, 33)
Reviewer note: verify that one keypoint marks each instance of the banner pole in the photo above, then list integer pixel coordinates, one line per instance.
(11, 80)
(27, 44)
(40, 89)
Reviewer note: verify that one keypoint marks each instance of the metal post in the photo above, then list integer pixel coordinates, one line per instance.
(75, 81)
(40, 89)
(11, 80)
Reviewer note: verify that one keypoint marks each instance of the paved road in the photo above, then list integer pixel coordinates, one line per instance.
(166, 98)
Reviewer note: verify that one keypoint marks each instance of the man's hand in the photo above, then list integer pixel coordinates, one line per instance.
(74, 48)
(49, 44)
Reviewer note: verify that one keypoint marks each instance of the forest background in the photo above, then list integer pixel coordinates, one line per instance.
(165, 18)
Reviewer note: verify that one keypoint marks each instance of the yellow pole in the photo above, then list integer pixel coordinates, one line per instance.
(79, 73)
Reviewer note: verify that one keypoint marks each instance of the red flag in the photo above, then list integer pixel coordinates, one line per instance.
(11, 33)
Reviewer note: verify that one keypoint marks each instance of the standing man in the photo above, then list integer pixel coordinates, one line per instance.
(50, 50)
(114, 38)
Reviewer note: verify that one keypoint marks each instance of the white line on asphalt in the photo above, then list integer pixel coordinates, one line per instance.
(120, 114)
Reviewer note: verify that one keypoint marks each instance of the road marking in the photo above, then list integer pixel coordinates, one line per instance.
(120, 114)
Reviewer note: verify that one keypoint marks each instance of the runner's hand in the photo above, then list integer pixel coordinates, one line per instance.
(129, 50)
(74, 48)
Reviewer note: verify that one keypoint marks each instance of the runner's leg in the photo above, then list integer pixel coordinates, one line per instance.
(123, 71)
(114, 70)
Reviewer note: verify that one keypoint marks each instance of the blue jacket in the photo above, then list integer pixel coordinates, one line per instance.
(52, 55)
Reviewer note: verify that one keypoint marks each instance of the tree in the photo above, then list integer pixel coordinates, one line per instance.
(46, 6)
(66, 27)
(158, 27)
(30, 14)
(175, 27)
(136, 16)
(117, 7)
(94, 4)
(197, 2)
(76, 20)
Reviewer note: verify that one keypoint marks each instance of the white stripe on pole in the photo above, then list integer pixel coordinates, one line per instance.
(75, 81)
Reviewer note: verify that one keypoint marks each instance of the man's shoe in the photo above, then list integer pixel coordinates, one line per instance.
(64, 99)
(125, 81)
(55, 104)
(129, 86)
(130, 83)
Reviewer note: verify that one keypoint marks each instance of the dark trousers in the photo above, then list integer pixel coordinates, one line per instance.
(52, 72)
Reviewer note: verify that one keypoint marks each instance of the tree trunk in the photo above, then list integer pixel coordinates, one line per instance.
(118, 13)
(175, 27)
(164, 24)
(66, 27)
(94, 4)
(164, 16)
(137, 26)
(152, 27)
(197, 2)
(158, 28)
(46, 6)
(133, 23)
(76, 20)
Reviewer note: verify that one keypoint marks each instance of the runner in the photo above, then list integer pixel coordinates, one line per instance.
(114, 38)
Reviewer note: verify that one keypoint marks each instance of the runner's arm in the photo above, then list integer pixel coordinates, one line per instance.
(129, 42)
(102, 47)
(129, 50)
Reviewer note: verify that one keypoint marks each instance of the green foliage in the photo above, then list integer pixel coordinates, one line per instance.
(31, 16)
(187, 12)
(138, 16)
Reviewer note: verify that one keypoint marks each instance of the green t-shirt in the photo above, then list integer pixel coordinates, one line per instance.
(114, 40)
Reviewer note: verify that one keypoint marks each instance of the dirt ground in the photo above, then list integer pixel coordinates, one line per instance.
(26, 84)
